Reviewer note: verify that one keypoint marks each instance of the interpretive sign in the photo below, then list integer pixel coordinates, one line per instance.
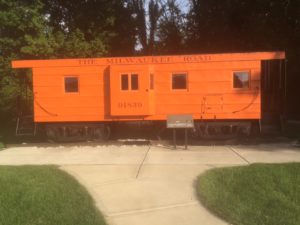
(180, 121)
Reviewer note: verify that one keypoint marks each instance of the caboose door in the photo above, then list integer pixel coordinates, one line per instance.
(129, 90)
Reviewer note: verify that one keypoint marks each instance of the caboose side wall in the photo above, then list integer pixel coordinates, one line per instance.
(53, 104)
(209, 94)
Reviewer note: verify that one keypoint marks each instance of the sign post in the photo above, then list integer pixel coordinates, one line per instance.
(180, 122)
(174, 138)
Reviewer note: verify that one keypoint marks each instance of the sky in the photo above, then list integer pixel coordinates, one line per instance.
(184, 5)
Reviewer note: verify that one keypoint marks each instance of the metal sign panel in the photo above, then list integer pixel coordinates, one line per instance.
(180, 121)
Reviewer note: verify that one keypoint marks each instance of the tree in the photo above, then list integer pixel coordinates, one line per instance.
(124, 40)
(241, 25)
(147, 16)
(100, 27)
(20, 23)
(171, 29)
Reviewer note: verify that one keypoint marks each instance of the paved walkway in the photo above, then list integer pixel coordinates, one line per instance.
(146, 185)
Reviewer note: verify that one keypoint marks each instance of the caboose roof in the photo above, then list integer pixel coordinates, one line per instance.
(252, 56)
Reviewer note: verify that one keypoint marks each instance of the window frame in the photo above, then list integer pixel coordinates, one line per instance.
(78, 84)
(186, 81)
(249, 79)
(129, 75)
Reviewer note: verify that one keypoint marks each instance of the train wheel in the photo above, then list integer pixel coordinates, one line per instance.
(227, 132)
(194, 133)
(102, 133)
(52, 133)
(223, 131)
(255, 129)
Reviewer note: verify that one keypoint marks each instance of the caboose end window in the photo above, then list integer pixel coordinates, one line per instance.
(241, 79)
(179, 81)
(71, 84)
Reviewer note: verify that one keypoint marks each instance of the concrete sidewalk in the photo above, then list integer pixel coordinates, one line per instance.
(146, 185)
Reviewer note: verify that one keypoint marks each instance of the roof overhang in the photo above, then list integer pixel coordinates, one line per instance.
(251, 56)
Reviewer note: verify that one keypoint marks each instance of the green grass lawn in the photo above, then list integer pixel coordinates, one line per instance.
(44, 195)
(259, 194)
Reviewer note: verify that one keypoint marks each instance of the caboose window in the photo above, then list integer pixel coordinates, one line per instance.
(179, 81)
(124, 82)
(241, 79)
(134, 82)
(71, 84)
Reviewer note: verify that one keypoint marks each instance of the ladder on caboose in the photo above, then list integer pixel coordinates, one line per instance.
(25, 121)
(25, 126)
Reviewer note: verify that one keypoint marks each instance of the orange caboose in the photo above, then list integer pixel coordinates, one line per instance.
(90, 94)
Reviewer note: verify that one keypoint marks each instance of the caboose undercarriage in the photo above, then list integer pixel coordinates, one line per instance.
(68, 132)
(223, 129)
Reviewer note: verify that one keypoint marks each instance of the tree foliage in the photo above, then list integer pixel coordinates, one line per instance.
(242, 25)
(159, 25)
(20, 23)
(171, 29)
(147, 15)
(94, 26)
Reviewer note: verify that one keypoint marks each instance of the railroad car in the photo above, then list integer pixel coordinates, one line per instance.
(82, 98)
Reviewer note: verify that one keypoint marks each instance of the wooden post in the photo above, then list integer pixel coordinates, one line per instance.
(185, 138)
(174, 137)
